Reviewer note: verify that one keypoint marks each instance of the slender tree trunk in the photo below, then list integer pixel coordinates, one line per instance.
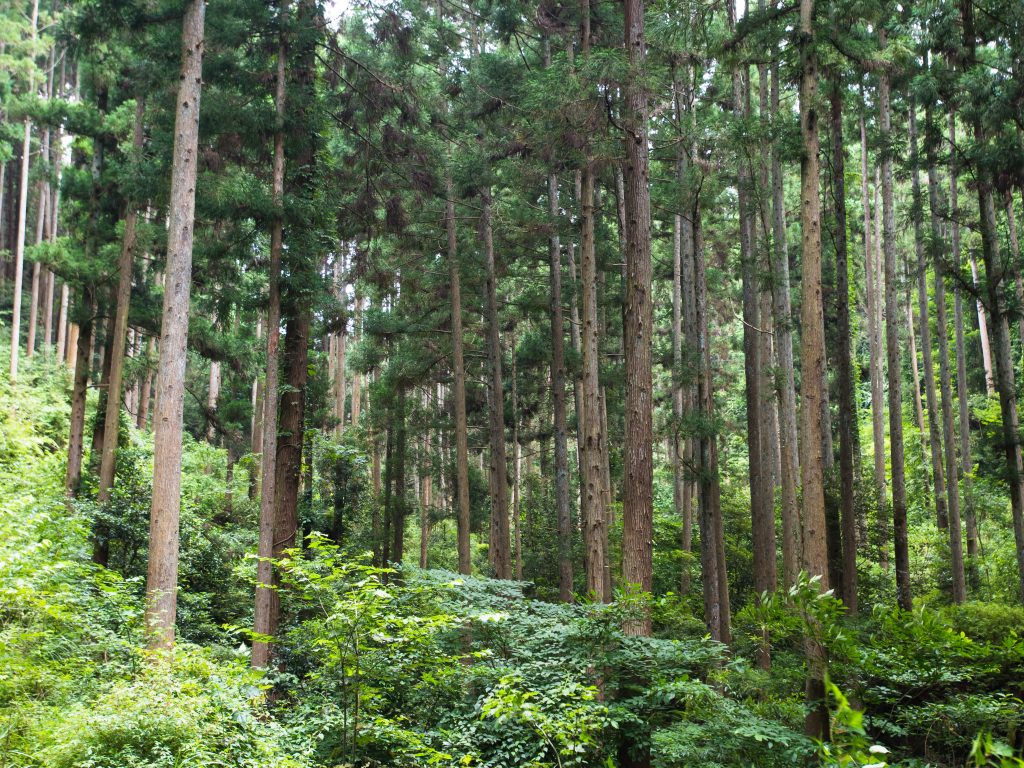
(934, 427)
(162, 574)
(42, 196)
(357, 378)
(995, 278)
(592, 476)
(562, 508)
(812, 357)
(117, 342)
(147, 384)
(966, 463)
(267, 603)
(638, 509)
(983, 335)
(937, 209)
(459, 389)
(892, 343)
(761, 507)
(499, 532)
(517, 531)
(79, 392)
(62, 321)
(783, 324)
(19, 243)
(847, 408)
(873, 279)
(399, 501)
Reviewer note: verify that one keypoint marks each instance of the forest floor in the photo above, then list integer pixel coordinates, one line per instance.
(418, 668)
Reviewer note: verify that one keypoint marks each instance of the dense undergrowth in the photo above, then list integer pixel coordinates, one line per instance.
(417, 668)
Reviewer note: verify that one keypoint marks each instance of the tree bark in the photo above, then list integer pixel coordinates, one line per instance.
(873, 279)
(783, 323)
(562, 508)
(79, 393)
(117, 342)
(162, 574)
(966, 463)
(638, 510)
(892, 341)
(847, 408)
(19, 242)
(934, 427)
(264, 615)
(937, 210)
(812, 357)
(499, 532)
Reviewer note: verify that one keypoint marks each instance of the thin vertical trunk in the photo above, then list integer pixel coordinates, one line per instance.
(847, 408)
(517, 532)
(637, 507)
(812, 357)
(995, 280)
(592, 476)
(459, 388)
(79, 392)
(19, 243)
(562, 508)
(873, 279)
(937, 210)
(264, 618)
(783, 323)
(162, 574)
(966, 463)
(934, 428)
(357, 378)
(715, 587)
(398, 501)
(147, 384)
(212, 396)
(682, 306)
(117, 342)
(986, 345)
(915, 371)
(62, 321)
(892, 345)
(499, 531)
(592, 491)
(761, 507)
(37, 267)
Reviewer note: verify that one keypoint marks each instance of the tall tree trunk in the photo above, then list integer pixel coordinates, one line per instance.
(847, 408)
(638, 510)
(399, 500)
(162, 574)
(357, 378)
(683, 326)
(715, 587)
(937, 210)
(117, 342)
(592, 476)
(873, 279)
(147, 384)
(983, 334)
(892, 345)
(966, 463)
(42, 204)
(812, 357)
(562, 508)
(761, 506)
(499, 531)
(79, 393)
(995, 278)
(934, 428)
(783, 324)
(62, 321)
(19, 243)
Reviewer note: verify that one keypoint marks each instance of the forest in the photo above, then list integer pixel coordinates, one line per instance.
(511, 383)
